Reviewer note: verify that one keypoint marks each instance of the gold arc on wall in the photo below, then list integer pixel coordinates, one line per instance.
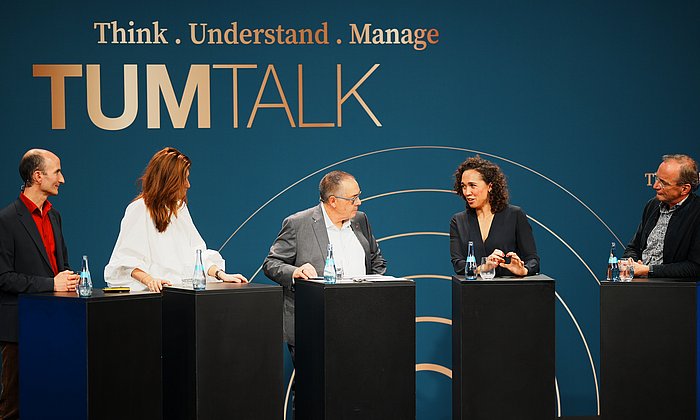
(402, 235)
(408, 191)
(435, 319)
(289, 391)
(434, 368)
(428, 276)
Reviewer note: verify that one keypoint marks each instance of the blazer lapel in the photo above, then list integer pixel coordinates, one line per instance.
(28, 222)
(362, 237)
(319, 226)
(58, 240)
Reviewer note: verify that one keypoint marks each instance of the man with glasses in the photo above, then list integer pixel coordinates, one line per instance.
(667, 242)
(299, 251)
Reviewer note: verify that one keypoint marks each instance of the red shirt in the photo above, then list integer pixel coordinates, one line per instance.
(43, 224)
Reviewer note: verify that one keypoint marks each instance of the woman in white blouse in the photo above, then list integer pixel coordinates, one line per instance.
(157, 240)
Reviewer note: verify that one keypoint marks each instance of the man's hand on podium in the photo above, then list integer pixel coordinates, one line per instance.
(304, 272)
(65, 281)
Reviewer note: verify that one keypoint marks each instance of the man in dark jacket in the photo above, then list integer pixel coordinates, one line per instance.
(33, 258)
(667, 242)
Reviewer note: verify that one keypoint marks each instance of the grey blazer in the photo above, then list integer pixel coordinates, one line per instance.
(303, 239)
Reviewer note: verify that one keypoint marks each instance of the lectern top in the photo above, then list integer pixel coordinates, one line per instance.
(650, 282)
(350, 283)
(217, 288)
(97, 295)
(542, 278)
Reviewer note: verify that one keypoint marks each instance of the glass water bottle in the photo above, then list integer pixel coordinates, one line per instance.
(84, 288)
(470, 269)
(329, 273)
(199, 278)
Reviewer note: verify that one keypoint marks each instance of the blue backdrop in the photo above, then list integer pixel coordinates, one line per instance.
(576, 100)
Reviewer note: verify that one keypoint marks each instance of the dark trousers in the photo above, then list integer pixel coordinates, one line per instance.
(9, 396)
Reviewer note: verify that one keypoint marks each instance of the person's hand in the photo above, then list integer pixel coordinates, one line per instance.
(304, 272)
(233, 278)
(516, 266)
(641, 270)
(156, 285)
(65, 281)
(493, 260)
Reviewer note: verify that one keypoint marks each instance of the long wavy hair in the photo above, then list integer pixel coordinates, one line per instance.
(164, 185)
(492, 174)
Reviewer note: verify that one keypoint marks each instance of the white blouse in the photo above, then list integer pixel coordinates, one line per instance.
(169, 255)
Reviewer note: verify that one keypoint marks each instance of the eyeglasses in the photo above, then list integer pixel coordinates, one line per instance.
(352, 199)
(665, 184)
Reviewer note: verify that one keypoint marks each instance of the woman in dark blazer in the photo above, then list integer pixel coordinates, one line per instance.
(499, 231)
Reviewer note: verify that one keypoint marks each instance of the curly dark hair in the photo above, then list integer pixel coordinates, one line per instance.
(492, 174)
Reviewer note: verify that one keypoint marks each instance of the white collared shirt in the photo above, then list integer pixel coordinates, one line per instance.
(347, 250)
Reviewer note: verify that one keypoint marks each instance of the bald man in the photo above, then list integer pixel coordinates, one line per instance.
(33, 258)
(667, 241)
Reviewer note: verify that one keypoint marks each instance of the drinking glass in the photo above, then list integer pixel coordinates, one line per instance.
(338, 273)
(487, 274)
(626, 269)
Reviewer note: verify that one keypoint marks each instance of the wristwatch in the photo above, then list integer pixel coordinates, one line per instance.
(217, 274)
(651, 271)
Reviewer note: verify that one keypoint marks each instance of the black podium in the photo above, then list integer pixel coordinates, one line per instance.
(355, 350)
(90, 358)
(648, 349)
(222, 352)
(503, 348)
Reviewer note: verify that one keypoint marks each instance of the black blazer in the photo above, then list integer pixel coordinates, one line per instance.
(682, 241)
(24, 264)
(510, 231)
